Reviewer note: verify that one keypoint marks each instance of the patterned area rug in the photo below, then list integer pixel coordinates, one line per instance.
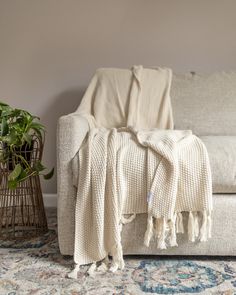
(36, 267)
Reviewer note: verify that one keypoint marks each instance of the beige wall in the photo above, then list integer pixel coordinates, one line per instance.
(49, 49)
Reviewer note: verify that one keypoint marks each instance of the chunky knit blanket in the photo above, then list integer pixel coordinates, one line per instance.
(137, 97)
(161, 172)
(120, 172)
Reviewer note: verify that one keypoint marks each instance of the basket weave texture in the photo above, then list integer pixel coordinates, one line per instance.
(22, 213)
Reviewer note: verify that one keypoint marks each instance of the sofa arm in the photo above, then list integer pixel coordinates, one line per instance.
(71, 131)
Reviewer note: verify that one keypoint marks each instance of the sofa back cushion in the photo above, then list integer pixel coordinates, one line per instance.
(205, 104)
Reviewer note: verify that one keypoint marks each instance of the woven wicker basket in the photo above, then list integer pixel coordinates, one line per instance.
(22, 213)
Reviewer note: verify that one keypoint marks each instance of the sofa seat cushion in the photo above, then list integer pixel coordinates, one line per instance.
(222, 155)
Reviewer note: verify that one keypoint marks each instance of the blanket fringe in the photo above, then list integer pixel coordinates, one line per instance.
(117, 258)
(104, 265)
(92, 269)
(196, 224)
(125, 220)
(173, 242)
(149, 232)
(205, 231)
(191, 227)
(161, 241)
(161, 226)
(209, 225)
(179, 223)
(74, 272)
(158, 227)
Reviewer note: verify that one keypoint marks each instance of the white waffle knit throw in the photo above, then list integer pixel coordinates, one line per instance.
(138, 97)
(125, 171)
(176, 177)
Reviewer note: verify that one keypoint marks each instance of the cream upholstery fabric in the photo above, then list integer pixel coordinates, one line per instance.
(72, 130)
(205, 104)
(222, 155)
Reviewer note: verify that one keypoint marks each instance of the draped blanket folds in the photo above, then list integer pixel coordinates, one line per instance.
(178, 178)
(131, 162)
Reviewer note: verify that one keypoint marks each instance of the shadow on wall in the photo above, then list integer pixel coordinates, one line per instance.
(63, 104)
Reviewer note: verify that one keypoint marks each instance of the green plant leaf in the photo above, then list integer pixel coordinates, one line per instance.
(22, 175)
(4, 127)
(38, 166)
(3, 104)
(11, 138)
(3, 155)
(12, 184)
(37, 125)
(28, 138)
(17, 129)
(15, 173)
(49, 175)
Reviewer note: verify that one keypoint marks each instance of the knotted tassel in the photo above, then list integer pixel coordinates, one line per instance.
(209, 225)
(92, 268)
(125, 220)
(104, 265)
(117, 253)
(191, 227)
(173, 242)
(158, 227)
(117, 258)
(179, 223)
(203, 230)
(161, 242)
(196, 224)
(102, 268)
(149, 231)
(74, 272)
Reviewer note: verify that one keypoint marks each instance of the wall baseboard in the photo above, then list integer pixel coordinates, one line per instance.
(50, 200)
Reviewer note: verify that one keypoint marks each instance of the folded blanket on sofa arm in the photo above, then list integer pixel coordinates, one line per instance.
(171, 175)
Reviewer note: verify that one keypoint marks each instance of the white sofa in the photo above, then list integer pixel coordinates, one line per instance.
(205, 104)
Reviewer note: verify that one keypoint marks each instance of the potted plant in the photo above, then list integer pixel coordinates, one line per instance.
(19, 130)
